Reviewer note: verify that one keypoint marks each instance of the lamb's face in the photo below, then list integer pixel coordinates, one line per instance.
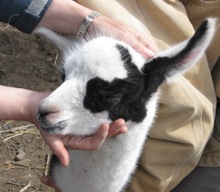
(106, 79)
(101, 80)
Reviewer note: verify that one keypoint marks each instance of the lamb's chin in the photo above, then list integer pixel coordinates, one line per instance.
(77, 131)
(85, 128)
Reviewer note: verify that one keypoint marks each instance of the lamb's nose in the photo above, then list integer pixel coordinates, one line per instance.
(46, 117)
(43, 113)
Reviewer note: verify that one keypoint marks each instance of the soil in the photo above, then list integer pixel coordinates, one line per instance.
(26, 61)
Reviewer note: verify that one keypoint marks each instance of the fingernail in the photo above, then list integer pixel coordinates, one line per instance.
(148, 53)
(124, 129)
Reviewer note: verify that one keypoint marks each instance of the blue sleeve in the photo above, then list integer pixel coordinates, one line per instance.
(23, 14)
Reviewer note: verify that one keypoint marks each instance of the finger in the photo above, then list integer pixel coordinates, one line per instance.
(141, 38)
(100, 136)
(143, 50)
(122, 130)
(141, 43)
(49, 182)
(87, 143)
(61, 152)
(117, 123)
(115, 127)
(63, 155)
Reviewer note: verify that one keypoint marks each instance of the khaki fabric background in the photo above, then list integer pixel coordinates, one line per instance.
(187, 106)
(198, 12)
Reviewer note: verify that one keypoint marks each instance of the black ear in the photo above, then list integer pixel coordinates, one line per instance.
(179, 58)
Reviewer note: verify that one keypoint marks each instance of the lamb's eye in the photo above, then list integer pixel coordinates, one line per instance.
(108, 98)
(102, 95)
(112, 100)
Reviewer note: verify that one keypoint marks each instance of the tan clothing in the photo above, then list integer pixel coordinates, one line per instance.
(197, 13)
(187, 106)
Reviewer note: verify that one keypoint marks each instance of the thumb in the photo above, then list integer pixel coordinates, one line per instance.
(57, 147)
(61, 152)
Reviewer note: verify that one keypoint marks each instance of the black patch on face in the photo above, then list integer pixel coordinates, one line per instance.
(122, 98)
(126, 98)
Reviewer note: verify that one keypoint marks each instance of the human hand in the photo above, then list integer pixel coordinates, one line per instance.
(66, 17)
(123, 32)
(58, 144)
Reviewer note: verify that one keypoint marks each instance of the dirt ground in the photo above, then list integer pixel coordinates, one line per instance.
(26, 61)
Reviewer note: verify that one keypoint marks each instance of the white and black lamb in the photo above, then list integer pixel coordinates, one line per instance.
(105, 79)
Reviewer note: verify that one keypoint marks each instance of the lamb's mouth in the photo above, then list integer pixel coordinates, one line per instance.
(53, 128)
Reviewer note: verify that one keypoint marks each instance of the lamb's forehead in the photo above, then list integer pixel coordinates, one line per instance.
(99, 57)
(104, 59)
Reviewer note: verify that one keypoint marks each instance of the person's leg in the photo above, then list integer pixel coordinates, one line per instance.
(201, 179)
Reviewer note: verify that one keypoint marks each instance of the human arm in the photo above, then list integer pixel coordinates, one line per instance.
(66, 17)
(73, 15)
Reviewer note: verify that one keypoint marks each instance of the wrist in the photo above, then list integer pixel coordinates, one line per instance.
(86, 23)
(64, 16)
(19, 104)
(32, 104)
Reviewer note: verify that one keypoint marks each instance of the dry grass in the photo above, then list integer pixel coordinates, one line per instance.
(17, 131)
(20, 175)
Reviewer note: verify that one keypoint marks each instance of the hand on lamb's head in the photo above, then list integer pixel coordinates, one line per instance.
(136, 39)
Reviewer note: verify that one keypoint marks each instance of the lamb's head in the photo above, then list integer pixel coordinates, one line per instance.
(105, 79)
